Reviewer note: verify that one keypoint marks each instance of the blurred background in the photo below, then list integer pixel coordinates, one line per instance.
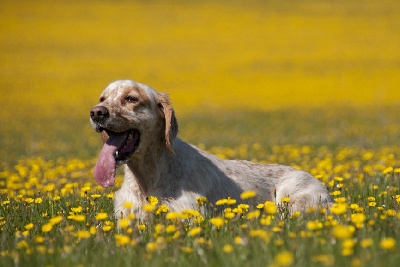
(314, 72)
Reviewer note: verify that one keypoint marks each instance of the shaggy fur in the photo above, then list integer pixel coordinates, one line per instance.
(176, 172)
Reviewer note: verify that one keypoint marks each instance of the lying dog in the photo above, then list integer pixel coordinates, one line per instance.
(139, 130)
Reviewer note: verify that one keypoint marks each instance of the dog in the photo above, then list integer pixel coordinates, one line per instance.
(139, 131)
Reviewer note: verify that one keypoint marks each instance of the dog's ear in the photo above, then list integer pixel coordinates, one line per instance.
(171, 124)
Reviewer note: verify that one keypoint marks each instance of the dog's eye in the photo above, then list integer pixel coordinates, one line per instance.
(102, 99)
(131, 99)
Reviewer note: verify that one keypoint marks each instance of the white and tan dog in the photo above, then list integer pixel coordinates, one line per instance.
(139, 130)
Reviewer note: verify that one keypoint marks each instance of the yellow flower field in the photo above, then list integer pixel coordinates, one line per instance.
(311, 84)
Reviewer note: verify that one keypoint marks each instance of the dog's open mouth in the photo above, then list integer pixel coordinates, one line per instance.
(118, 148)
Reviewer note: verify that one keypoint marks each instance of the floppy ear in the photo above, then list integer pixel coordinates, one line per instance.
(171, 124)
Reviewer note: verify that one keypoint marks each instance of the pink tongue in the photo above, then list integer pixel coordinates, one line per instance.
(104, 171)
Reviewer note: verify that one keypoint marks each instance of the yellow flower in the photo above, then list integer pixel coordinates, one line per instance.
(141, 227)
(77, 218)
(217, 221)
(388, 243)
(201, 201)
(314, 225)
(128, 205)
(194, 231)
(29, 200)
(56, 198)
(227, 201)
(122, 240)
(387, 170)
(152, 200)
(285, 199)
(172, 215)
(162, 209)
(338, 208)
(85, 189)
(358, 218)
(266, 221)
(187, 250)
(149, 208)
(38, 200)
(47, 227)
(151, 246)
(106, 228)
(29, 226)
(253, 215)
(95, 196)
(284, 258)
(248, 194)
(124, 223)
(92, 230)
(110, 196)
(77, 209)
(366, 243)
(391, 213)
(82, 234)
(241, 208)
(56, 220)
(343, 231)
(170, 229)
(227, 248)
(39, 239)
(229, 215)
(270, 207)
(327, 260)
(101, 216)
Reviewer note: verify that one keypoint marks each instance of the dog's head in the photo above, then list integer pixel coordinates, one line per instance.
(132, 118)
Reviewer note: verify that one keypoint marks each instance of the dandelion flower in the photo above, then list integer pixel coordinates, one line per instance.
(170, 229)
(284, 258)
(106, 228)
(121, 240)
(388, 243)
(124, 223)
(128, 205)
(47, 227)
(141, 227)
(343, 231)
(270, 207)
(152, 200)
(149, 208)
(227, 248)
(29, 226)
(56, 220)
(194, 231)
(78, 218)
(101, 216)
(82, 234)
(248, 194)
(314, 225)
(365, 243)
(187, 250)
(338, 208)
(217, 221)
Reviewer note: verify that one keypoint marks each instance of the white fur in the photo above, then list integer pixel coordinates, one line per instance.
(176, 172)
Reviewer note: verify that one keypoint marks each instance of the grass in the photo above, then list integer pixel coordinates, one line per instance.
(311, 84)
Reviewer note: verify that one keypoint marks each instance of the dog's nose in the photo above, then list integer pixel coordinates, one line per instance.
(98, 113)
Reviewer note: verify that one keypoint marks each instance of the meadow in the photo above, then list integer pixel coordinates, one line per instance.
(310, 84)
